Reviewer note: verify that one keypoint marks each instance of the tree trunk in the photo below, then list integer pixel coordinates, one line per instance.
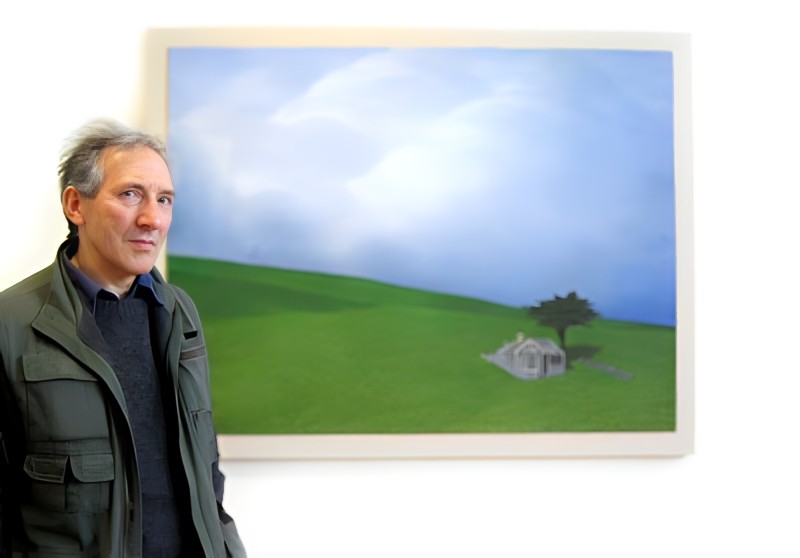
(562, 335)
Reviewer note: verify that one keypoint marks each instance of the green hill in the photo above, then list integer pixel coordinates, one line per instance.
(299, 353)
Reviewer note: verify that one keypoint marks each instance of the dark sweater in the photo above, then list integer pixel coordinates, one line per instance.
(124, 326)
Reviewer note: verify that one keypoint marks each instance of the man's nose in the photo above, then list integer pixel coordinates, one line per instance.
(149, 216)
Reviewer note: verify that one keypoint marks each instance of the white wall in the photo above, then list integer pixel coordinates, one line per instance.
(736, 496)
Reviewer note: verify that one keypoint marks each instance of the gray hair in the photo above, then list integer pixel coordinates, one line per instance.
(80, 165)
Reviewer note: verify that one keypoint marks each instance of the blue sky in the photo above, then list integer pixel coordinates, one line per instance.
(505, 175)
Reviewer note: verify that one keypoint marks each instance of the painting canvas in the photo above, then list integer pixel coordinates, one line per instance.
(452, 243)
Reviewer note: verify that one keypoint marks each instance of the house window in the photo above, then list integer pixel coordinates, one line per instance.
(530, 361)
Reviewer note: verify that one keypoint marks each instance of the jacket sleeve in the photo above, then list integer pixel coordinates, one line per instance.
(9, 451)
(233, 543)
(5, 470)
(3, 483)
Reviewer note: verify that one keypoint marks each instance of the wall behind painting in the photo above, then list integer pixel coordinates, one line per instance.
(737, 495)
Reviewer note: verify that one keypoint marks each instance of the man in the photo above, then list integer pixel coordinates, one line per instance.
(108, 447)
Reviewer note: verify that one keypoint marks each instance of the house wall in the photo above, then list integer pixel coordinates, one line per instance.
(556, 364)
(65, 62)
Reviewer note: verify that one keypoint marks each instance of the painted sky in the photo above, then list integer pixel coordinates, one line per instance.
(505, 175)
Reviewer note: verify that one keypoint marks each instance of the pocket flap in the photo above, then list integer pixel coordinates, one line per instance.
(41, 367)
(47, 468)
(93, 467)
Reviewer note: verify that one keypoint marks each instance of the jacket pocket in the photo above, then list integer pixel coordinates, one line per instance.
(206, 436)
(193, 377)
(193, 380)
(77, 482)
(64, 400)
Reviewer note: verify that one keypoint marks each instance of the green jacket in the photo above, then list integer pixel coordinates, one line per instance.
(73, 474)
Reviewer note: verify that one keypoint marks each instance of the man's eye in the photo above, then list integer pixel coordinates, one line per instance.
(129, 196)
(166, 201)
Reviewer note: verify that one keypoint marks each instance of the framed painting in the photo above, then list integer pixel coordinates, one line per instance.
(434, 243)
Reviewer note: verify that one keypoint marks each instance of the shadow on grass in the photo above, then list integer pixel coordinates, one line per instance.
(580, 352)
(584, 354)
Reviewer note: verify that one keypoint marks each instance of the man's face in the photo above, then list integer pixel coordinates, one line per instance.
(122, 229)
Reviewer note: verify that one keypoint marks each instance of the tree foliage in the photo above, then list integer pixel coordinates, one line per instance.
(563, 312)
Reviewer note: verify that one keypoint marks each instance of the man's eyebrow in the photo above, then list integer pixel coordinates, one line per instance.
(135, 185)
(141, 189)
(132, 185)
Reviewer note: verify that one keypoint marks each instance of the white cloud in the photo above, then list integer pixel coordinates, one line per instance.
(407, 166)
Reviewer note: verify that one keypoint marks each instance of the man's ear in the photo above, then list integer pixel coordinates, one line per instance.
(71, 203)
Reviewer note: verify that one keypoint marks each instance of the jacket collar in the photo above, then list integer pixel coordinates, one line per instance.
(62, 313)
(64, 295)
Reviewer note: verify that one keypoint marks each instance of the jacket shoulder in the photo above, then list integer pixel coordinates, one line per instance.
(19, 306)
(33, 289)
(181, 296)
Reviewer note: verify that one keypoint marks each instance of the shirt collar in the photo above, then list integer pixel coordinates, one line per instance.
(89, 290)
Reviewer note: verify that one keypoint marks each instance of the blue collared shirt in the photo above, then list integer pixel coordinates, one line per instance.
(89, 290)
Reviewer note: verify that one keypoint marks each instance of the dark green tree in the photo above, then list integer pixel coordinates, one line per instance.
(563, 312)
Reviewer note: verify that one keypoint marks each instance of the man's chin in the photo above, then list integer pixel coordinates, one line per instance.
(144, 266)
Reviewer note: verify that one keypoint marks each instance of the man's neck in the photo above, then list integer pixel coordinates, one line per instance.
(119, 288)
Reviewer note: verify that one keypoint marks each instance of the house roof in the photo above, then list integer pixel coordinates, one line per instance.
(543, 345)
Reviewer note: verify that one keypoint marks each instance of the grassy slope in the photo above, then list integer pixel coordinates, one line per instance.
(295, 352)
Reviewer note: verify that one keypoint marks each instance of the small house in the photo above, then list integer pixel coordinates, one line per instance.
(529, 359)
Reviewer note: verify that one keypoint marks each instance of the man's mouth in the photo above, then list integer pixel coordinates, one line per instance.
(143, 242)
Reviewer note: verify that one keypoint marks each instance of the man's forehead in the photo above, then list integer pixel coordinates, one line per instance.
(135, 162)
(132, 152)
